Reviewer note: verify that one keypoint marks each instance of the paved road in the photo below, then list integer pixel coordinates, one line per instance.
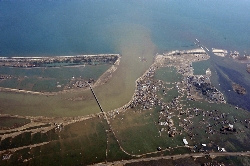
(96, 98)
(195, 155)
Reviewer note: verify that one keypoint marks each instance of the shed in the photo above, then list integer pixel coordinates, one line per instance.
(185, 141)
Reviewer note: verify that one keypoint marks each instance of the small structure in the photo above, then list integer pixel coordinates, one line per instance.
(6, 156)
(208, 72)
(219, 52)
(163, 123)
(185, 141)
(221, 149)
(196, 51)
(231, 127)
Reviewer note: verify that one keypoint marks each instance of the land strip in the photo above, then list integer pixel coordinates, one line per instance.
(179, 156)
(52, 61)
(22, 62)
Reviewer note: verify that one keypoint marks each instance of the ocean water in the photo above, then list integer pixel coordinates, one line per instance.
(78, 27)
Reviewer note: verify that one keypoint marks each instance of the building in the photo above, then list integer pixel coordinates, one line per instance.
(185, 141)
(208, 72)
(219, 52)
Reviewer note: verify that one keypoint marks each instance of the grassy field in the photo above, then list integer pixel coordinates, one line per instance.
(138, 132)
(79, 143)
(232, 141)
(167, 74)
(170, 94)
(114, 151)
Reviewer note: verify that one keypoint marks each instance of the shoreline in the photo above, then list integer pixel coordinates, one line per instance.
(33, 62)
(180, 62)
(100, 81)
(159, 62)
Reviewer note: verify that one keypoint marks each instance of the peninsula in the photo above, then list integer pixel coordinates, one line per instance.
(43, 63)
(57, 60)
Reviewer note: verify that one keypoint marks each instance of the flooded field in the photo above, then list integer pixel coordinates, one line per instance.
(225, 71)
(169, 75)
(201, 67)
(143, 130)
(51, 79)
(11, 122)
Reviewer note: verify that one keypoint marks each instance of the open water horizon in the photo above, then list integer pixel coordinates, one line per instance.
(87, 27)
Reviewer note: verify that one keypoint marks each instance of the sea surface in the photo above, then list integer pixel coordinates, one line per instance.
(132, 28)
(78, 27)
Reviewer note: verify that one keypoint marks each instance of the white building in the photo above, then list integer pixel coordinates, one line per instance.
(185, 141)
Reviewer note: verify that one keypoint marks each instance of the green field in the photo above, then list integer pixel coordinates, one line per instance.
(138, 132)
(167, 74)
(79, 143)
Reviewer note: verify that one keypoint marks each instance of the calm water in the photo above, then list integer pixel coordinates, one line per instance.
(131, 28)
(225, 71)
(63, 28)
(47, 79)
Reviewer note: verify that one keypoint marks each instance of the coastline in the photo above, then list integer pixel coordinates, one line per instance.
(100, 81)
(79, 99)
(159, 61)
(183, 65)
